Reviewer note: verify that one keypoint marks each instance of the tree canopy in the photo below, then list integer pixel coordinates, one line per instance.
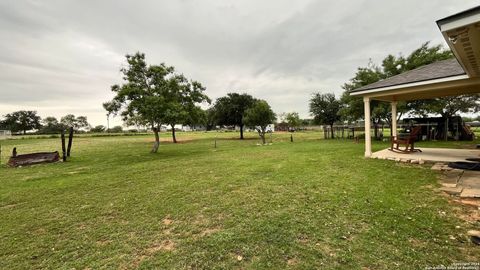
(325, 109)
(230, 109)
(293, 120)
(259, 116)
(21, 121)
(98, 129)
(51, 125)
(155, 94)
(77, 123)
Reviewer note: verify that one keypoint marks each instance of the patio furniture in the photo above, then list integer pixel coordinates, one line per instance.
(407, 139)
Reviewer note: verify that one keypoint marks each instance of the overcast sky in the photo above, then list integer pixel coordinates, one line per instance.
(60, 57)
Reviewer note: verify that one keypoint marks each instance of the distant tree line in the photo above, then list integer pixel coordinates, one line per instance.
(23, 121)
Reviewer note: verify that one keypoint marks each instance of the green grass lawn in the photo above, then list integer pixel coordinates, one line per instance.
(308, 204)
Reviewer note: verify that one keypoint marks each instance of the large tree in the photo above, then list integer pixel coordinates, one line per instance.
(181, 98)
(259, 116)
(293, 120)
(136, 121)
(211, 119)
(77, 123)
(196, 117)
(142, 93)
(154, 93)
(51, 125)
(21, 121)
(98, 129)
(230, 109)
(325, 109)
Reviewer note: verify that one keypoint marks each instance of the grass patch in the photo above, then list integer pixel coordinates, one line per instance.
(309, 204)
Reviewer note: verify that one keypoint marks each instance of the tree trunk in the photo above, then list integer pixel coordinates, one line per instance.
(446, 129)
(24, 132)
(262, 134)
(241, 131)
(331, 130)
(157, 140)
(173, 134)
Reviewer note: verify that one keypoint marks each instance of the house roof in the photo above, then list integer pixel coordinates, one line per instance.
(437, 70)
(458, 16)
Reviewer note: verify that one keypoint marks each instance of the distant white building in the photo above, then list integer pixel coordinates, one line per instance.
(4, 134)
(270, 128)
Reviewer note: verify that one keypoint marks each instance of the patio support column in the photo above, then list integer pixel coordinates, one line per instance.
(368, 139)
(394, 119)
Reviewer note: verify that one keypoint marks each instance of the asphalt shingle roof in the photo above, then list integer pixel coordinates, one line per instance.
(437, 70)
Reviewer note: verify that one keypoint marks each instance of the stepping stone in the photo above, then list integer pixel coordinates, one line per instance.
(470, 193)
(452, 190)
(438, 166)
(471, 179)
(474, 236)
(446, 168)
(451, 178)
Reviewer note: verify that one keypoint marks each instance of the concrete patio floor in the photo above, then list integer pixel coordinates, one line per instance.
(429, 155)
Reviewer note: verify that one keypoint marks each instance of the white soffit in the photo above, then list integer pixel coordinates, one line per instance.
(462, 33)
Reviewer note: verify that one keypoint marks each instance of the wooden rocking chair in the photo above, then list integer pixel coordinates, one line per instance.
(408, 141)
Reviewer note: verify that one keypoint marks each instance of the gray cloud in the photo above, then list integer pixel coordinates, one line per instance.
(61, 56)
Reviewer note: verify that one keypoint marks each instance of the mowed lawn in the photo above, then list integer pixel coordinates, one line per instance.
(309, 204)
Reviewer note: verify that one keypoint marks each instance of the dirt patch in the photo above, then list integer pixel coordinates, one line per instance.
(12, 205)
(292, 261)
(102, 243)
(209, 231)
(303, 239)
(326, 249)
(166, 245)
(199, 220)
(39, 231)
(416, 243)
(471, 202)
(167, 221)
(471, 216)
(467, 209)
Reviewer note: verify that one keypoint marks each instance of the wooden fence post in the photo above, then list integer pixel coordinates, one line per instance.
(64, 157)
(70, 138)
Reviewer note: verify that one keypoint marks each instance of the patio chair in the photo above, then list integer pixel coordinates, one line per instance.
(406, 139)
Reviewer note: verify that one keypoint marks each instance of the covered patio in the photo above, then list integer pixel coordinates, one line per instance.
(451, 77)
(428, 155)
